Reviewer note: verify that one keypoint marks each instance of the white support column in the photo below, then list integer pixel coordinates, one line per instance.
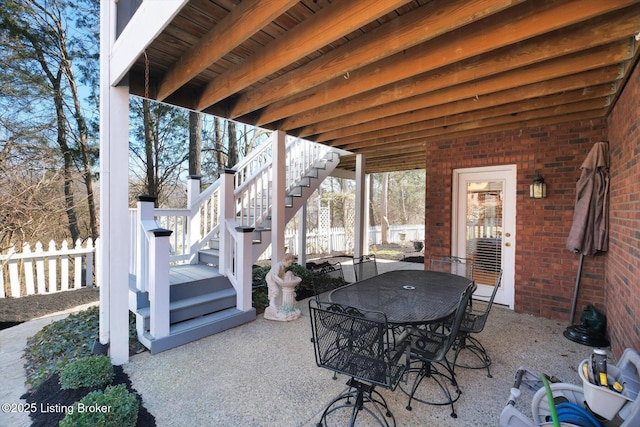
(302, 235)
(367, 219)
(114, 206)
(278, 223)
(193, 191)
(359, 244)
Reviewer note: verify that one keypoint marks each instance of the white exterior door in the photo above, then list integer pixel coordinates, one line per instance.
(484, 227)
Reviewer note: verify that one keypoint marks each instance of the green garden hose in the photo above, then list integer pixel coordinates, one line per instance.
(552, 405)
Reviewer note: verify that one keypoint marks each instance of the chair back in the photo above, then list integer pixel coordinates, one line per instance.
(456, 322)
(475, 320)
(326, 278)
(433, 345)
(355, 343)
(365, 267)
(451, 264)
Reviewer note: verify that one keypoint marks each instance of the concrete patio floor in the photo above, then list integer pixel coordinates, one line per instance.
(264, 374)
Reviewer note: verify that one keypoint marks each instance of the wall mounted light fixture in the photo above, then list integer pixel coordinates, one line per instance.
(538, 189)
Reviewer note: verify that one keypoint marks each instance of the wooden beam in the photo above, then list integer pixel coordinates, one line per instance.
(243, 21)
(507, 28)
(536, 81)
(329, 24)
(412, 155)
(398, 139)
(580, 81)
(593, 36)
(418, 26)
(539, 77)
(514, 106)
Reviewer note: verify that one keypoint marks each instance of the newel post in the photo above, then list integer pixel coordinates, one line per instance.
(244, 268)
(227, 213)
(145, 212)
(159, 247)
(193, 191)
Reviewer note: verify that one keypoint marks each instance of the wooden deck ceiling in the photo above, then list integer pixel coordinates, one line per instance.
(386, 78)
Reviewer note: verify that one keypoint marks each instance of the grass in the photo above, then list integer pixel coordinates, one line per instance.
(389, 253)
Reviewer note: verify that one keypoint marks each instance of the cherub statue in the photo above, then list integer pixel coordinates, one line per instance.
(279, 280)
(275, 276)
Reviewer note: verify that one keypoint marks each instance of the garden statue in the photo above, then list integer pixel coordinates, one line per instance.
(282, 295)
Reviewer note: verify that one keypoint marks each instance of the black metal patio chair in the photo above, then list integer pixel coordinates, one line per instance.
(365, 267)
(473, 323)
(429, 348)
(356, 343)
(452, 264)
(326, 278)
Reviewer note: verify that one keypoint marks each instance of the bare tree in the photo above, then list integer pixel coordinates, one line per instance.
(195, 143)
(39, 40)
(159, 151)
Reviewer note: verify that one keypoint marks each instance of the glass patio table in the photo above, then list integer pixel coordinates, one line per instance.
(407, 297)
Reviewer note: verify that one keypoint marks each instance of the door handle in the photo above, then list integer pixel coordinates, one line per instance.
(507, 244)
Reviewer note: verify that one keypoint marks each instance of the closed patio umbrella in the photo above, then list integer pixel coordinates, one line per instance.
(589, 232)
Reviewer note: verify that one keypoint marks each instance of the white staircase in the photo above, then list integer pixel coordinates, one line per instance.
(217, 238)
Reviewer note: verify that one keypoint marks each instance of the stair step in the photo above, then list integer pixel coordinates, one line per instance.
(209, 257)
(305, 182)
(194, 329)
(191, 272)
(196, 306)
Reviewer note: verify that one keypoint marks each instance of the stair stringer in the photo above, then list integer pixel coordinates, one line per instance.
(296, 201)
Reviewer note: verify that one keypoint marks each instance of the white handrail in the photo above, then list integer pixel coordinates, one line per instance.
(195, 225)
(253, 196)
(250, 165)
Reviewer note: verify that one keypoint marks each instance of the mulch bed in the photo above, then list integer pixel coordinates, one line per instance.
(50, 396)
(16, 310)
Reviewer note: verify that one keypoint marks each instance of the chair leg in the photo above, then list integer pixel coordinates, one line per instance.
(473, 346)
(366, 398)
(428, 370)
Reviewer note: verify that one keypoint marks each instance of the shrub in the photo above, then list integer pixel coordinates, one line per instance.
(62, 341)
(305, 287)
(113, 407)
(260, 291)
(259, 288)
(58, 343)
(92, 372)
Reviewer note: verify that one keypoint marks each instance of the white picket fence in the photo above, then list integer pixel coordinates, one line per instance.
(62, 268)
(337, 239)
(38, 271)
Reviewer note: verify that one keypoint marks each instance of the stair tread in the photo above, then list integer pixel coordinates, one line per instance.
(190, 272)
(192, 301)
(210, 251)
(198, 328)
(203, 320)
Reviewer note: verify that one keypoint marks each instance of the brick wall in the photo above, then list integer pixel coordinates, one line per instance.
(545, 272)
(623, 258)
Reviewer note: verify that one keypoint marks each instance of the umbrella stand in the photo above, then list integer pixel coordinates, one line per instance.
(575, 291)
(582, 333)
